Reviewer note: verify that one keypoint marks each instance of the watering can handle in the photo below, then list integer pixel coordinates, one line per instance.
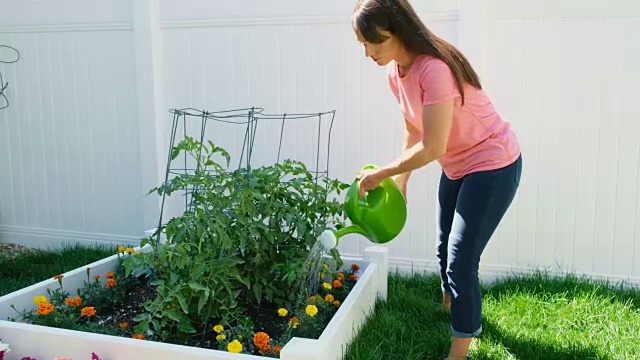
(363, 201)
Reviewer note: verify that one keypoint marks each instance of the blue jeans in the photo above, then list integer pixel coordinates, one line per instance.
(469, 211)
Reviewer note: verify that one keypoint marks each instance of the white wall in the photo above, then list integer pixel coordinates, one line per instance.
(69, 140)
(567, 81)
(561, 72)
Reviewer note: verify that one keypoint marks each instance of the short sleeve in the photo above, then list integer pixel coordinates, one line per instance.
(437, 82)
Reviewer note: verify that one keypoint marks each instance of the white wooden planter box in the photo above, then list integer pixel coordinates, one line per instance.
(45, 343)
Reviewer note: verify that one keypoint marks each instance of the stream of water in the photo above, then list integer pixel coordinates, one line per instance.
(311, 277)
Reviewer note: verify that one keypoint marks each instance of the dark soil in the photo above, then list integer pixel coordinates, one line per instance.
(265, 317)
(137, 294)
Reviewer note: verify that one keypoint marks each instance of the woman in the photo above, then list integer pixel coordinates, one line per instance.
(449, 119)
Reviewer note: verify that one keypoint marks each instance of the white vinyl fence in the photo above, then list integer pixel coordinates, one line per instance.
(86, 133)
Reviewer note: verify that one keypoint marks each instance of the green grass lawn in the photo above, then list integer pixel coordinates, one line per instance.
(32, 267)
(532, 317)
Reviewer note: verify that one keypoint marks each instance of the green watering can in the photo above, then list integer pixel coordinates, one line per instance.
(379, 216)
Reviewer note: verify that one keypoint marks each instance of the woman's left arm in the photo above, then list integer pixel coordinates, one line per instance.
(436, 124)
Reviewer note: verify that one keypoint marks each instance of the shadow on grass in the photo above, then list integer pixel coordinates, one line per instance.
(34, 266)
(411, 325)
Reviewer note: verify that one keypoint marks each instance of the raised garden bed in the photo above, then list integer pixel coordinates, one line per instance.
(45, 342)
(238, 275)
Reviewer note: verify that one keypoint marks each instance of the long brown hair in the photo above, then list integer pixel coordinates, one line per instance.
(399, 18)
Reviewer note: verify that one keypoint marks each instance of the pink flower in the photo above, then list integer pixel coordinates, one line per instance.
(61, 358)
(94, 356)
(4, 348)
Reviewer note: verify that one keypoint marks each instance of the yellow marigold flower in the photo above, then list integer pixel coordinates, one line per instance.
(221, 337)
(325, 267)
(311, 310)
(111, 283)
(326, 285)
(88, 311)
(121, 249)
(74, 301)
(218, 329)
(110, 275)
(45, 308)
(234, 347)
(282, 312)
(328, 298)
(40, 299)
(130, 250)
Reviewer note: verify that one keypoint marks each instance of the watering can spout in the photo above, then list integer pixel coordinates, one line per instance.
(329, 239)
(379, 216)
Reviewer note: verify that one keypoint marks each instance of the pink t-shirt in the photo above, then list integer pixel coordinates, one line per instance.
(480, 139)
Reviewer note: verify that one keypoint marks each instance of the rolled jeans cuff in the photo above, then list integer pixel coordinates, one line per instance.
(459, 334)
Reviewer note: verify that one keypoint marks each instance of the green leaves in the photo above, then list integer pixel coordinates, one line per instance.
(242, 239)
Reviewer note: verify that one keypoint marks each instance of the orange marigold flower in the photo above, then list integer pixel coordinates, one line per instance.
(88, 311)
(110, 275)
(329, 298)
(260, 338)
(353, 277)
(276, 349)
(312, 299)
(45, 308)
(355, 267)
(123, 325)
(341, 276)
(138, 336)
(293, 322)
(111, 283)
(97, 277)
(336, 303)
(337, 284)
(74, 301)
(58, 277)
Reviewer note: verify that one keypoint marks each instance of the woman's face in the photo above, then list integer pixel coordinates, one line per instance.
(390, 49)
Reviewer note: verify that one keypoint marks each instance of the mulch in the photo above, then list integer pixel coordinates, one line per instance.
(11, 251)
